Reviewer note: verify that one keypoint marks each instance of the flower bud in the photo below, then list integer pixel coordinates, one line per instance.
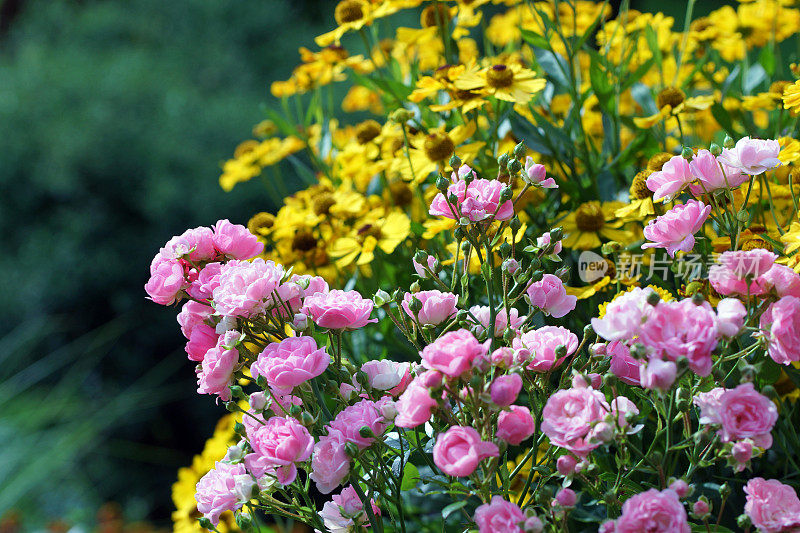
(510, 266)
(715, 149)
(653, 298)
(566, 498)
(504, 249)
(728, 142)
(503, 160)
(700, 508)
(683, 399)
(610, 247)
(514, 223)
(533, 525)
(401, 115)
(300, 322)
(687, 153)
(506, 194)
(680, 487)
(744, 522)
(519, 150)
(742, 452)
(388, 410)
(725, 490)
(442, 183)
(307, 419)
(414, 287)
(514, 167)
(566, 465)
(455, 162)
(295, 411)
(258, 400)
(381, 298)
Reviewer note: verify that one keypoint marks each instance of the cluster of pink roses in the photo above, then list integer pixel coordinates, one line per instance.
(474, 198)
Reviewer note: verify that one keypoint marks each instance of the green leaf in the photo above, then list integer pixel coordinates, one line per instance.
(410, 477)
(652, 42)
(767, 60)
(450, 509)
(535, 40)
(601, 86)
(722, 117)
(701, 528)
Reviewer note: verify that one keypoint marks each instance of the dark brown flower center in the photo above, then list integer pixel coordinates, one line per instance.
(368, 230)
(435, 15)
(670, 96)
(401, 193)
(367, 130)
(322, 203)
(260, 222)
(303, 241)
(348, 11)
(438, 147)
(499, 77)
(656, 162)
(589, 217)
(639, 190)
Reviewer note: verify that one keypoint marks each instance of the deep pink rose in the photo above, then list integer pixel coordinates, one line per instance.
(414, 406)
(550, 296)
(504, 389)
(746, 413)
(478, 201)
(653, 512)
(342, 310)
(569, 415)
(784, 280)
(658, 374)
(453, 353)
(350, 420)
(207, 280)
(330, 463)
(235, 241)
(623, 365)
(290, 362)
(458, 451)
(772, 506)
(202, 340)
(195, 244)
(673, 177)
(216, 370)
(516, 425)
(437, 306)
(192, 314)
(499, 516)
(735, 269)
(675, 229)
(539, 347)
(279, 443)
(780, 325)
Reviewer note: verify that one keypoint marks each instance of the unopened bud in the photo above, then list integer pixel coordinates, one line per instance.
(715, 149)
(307, 419)
(381, 298)
(514, 167)
(506, 194)
(515, 223)
(414, 288)
(744, 522)
(610, 247)
(728, 142)
(442, 183)
(503, 160)
(562, 274)
(455, 162)
(687, 153)
(519, 150)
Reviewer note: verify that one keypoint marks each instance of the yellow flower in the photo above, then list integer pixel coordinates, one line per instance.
(591, 224)
(672, 102)
(359, 98)
(511, 82)
(791, 96)
(641, 199)
(352, 15)
(252, 156)
(791, 242)
(432, 151)
(517, 482)
(663, 293)
(374, 231)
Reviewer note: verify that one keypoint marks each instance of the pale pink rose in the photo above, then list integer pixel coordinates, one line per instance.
(544, 241)
(235, 241)
(345, 513)
(566, 498)
(516, 425)
(420, 269)
(166, 282)
(569, 415)
(741, 452)
(351, 419)
(734, 269)
(502, 357)
(203, 338)
(680, 487)
(216, 492)
(780, 325)
(246, 287)
(258, 400)
(772, 506)
(673, 177)
(622, 408)
(653, 512)
(658, 374)
(505, 389)
(566, 465)
(279, 443)
(290, 362)
(752, 156)
(550, 296)
(478, 201)
(453, 353)
(499, 516)
(501, 321)
(784, 280)
(192, 314)
(708, 403)
(683, 328)
(458, 451)
(414, 406)
(330, 463)
(437, 306)
(623, 365)
(207, 280)
(730, 317)
(341, 310)
(712, 175)
(746, 413)
(292, 292)
(195, 244)
(536, 174)
(431, 379)
(216, 370)
(539, 347)
(675, 229)
(624, 315)
(386, 375)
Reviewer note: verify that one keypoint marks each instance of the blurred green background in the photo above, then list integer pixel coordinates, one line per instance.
(114, 119)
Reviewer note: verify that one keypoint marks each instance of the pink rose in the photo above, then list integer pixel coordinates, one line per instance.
(784, 280)
(501, 319)
(192, 314)
(352, 419)
(166, 282)
(730, 317)
(539, 347)
(207, 280)
(741, 452)
(550, 296)
(566, 498)
(673, 177)
(478, 201)
(623, 365)
(437, 306)
(342, 310)
(624, 315)
(502, 357)
(654, 512)
(516, 425)
(430, 262)
(279, 443)
(683, 328)
(536, 174)
(414, 406)
(746, 413)
(504, 389)
(216, 370)
(780, 325)
(236, 241)
(675, 229)
(623, 408)
(752, 156)
(290, 362)
(569, 415)
(712, 175)
(545, 240)
(386, 375)
(216, 491)
(330, 463)
(734, 270)
(245, 288)
(772, 506)
(499, 516)
(345, 513)
(658, 374)
(203, 338)
(195, 244)
(566, 465)
(458, 451)
(453, 353)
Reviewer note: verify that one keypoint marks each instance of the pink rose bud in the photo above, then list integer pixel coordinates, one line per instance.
(742, 451)
(516, 425)
(458, 451)
(598, 349)
(700, 509)
(595, 380)
(533, 525)
(550, 296)
(602, 432)
(431, 379)
(658, 374)
(300, 322)
(503, 357)
(730, 317)
(421, 272)
(505, 389)
(510, 265)
(536, 174)
(258, 400)
(388, 410)
(566, 465)
(566, 498)
(680, 487)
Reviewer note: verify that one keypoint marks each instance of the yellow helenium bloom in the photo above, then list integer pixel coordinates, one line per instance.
(511, 82)
(791, 244)
(791, 96)
(374, 232)
(641, 199)
(352, 15)
(432, 151)
(592, 223)
(672, 102)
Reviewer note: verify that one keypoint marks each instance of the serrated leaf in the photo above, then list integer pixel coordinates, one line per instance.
(410, 477)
